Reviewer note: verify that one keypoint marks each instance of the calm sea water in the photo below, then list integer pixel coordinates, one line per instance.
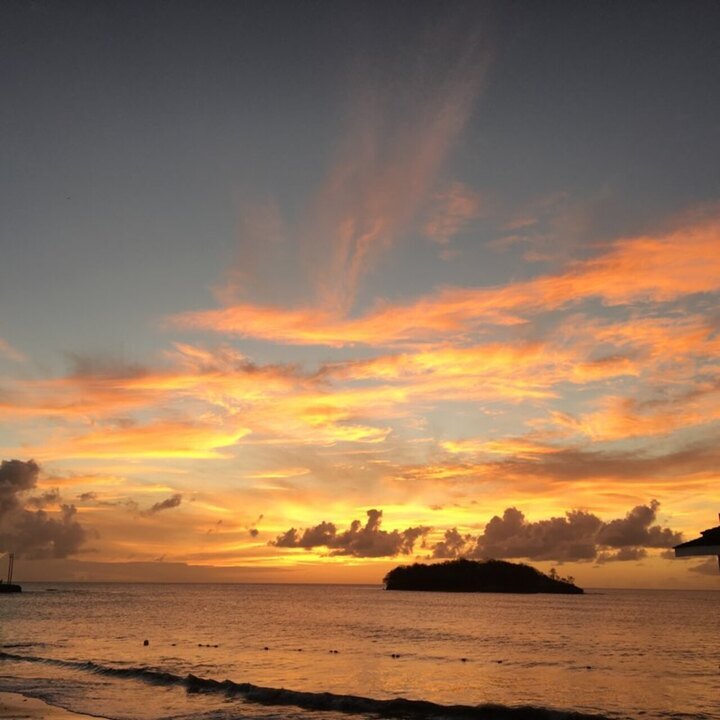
(326, 652)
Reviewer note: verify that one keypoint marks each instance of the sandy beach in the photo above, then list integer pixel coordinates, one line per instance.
(18, 707)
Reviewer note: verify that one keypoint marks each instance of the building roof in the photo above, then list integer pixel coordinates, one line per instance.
(708, 541)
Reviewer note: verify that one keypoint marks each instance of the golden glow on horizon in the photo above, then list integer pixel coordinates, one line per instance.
(442, 411)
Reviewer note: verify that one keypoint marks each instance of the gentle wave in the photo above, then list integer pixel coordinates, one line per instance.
(352, 704)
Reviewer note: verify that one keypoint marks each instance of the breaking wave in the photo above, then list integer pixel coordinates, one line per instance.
(351, 704)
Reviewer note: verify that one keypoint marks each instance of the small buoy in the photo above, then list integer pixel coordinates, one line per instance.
(266, 648)
(499, 662)
(146, 642)
(463, 659)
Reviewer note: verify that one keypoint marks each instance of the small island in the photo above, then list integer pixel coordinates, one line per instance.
(463, 575)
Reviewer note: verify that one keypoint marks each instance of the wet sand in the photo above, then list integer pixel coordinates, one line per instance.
(18, 707)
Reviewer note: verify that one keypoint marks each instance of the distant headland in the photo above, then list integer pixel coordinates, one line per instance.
(472, 576)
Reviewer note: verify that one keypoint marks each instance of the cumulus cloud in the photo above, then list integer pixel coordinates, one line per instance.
(452, 545)
(369, 540)
(49, 497)
(560, 538)
(636, 529)
(578, 536)
(16, 477)
(35, 534)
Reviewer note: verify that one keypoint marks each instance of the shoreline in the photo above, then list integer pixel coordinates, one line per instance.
(15, 706)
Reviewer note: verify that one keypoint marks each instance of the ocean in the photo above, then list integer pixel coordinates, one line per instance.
(322, 652)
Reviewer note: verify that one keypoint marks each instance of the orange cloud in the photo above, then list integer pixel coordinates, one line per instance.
(387, 168)
(642, 269)
(628, 417)
(451, 212)
(278, 473)
(379, 182)
(222, 377)
(71, 396)
(511, 447)
(156, 440)
(582, 476)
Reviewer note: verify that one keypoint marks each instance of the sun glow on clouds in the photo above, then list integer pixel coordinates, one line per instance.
(591, 394)
(580, 397)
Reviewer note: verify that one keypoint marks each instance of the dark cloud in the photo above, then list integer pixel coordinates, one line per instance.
(636, 529)
(87, 496)
(49, 497)
(172, 502)
(452, 545)
(560, 538)
(128, 504)
(577, 536)
(369, 540)
(252, 528)
(624, 554)
(102, 366)
(572, 464)
(37, 534)
(322, 534)
(16, 477)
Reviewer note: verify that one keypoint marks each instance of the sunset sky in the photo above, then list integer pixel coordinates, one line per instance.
(298, 291)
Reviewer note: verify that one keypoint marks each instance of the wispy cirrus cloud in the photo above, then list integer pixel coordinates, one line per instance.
(384, 172)
(451, 211)
(629, 417)
(655, 268)
(161, 439)
(8, 351)
(583, 473)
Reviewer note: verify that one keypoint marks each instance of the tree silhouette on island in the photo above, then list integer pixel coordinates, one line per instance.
(474, 576)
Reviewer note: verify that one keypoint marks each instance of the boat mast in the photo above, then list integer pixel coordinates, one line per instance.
(11, 562)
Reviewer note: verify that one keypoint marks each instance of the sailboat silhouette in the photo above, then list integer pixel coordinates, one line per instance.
(8, 587)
